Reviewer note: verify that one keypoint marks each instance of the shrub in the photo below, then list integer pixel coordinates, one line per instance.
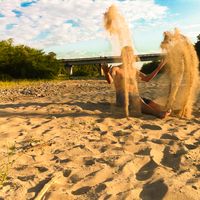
(197, 47)
(147, 68)
(87, 70)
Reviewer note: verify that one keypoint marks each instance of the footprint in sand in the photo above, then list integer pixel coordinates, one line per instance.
(192, 181)
(144, 152)
(102, 133)
(82, 190)
(157, 141)
(100, 188)
(57, 151)
(171, 160)
(75, 178)
(107, 197)
(169, 136)
(21, 167)
(192, 146)
(103, 149)
(46, 131)
(28, 122)
(173, 130)
(89, 162)
(110, 161)
(92, 174)
(154, 191)
(146, 171)
(151, 127)
(198, 167)
(58, 160)
(26, 178)
(94, 190)
(194, 132)
(121, 133)
(42, 169)
(145, 139)
(66, 172)
(36, 126)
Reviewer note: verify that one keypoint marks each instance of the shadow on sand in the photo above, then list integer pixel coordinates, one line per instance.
(77, 109)
(100, 110)
(154, 191)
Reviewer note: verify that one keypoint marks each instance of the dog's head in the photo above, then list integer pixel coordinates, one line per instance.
(170, 39)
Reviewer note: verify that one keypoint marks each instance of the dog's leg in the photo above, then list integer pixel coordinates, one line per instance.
(175, 78)
(189, 85)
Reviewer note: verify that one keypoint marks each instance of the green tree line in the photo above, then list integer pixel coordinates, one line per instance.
(23, 62)
(87, 70)
(197, 47)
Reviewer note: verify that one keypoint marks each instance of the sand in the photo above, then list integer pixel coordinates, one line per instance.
(116, 25)
(74, 144)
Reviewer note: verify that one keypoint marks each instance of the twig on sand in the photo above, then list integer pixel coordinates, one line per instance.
(47, 186)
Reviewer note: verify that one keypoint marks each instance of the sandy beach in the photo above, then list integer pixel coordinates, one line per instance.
(69, 142)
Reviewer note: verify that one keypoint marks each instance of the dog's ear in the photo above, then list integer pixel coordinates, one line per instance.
(176, 32)
(167, 38)
(167, 35)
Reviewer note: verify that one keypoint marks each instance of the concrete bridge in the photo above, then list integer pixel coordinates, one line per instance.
(69, 63)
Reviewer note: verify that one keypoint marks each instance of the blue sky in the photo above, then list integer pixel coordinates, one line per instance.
(75, 28)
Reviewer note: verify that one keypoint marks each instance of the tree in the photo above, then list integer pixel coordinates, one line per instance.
(23, 62)
(147, 68)
(87, 70)
(197, 47)
(198, 37)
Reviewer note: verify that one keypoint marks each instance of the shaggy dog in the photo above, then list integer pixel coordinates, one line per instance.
(182, 62)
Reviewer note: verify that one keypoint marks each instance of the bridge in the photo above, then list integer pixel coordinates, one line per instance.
(69, 63)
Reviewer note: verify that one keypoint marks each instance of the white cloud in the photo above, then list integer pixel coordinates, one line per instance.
(50, 16)
(191, 26)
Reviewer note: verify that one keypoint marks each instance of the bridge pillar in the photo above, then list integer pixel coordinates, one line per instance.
(69, 69)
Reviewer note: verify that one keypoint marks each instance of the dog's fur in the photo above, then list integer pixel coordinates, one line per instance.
(182, 62)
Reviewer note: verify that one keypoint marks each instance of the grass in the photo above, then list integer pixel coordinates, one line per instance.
(4, 170)
(6, 165)
(23, 83)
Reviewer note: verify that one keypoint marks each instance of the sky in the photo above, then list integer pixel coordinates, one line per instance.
(74, 29)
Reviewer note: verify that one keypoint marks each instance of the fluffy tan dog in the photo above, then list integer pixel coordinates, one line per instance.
(182, 62)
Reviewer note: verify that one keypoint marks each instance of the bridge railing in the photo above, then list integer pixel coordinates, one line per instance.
(69, 63)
